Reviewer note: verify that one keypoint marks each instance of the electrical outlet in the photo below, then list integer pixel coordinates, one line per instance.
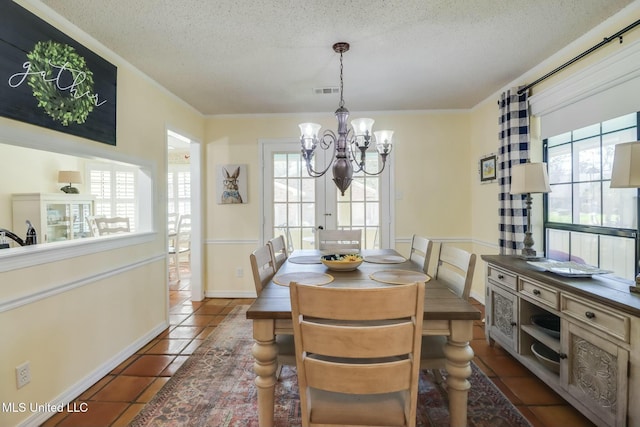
(23, 374)
(239, 272)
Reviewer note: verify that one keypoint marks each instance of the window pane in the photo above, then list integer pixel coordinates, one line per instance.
(630, 120)
(586, 132)
(586, 156)
(619, 207)
(586, 204)
(617, 254)
(559, 203)
(585, 246)
(558, 245)
(559, 139)
(608, 146)
(559, 164)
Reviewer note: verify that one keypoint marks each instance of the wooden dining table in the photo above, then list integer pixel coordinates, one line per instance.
(444, 314)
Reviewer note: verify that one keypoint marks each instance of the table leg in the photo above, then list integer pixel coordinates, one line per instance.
(265, 353)
(459, 355)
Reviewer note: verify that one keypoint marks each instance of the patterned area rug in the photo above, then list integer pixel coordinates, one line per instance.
(215, 387)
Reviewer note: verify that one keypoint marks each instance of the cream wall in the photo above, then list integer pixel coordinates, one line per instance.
(432, 174)
(76, 319)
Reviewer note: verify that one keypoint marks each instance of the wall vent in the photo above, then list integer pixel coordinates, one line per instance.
(326, 90)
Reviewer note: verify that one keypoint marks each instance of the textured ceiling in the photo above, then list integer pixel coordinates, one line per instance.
(259, 56)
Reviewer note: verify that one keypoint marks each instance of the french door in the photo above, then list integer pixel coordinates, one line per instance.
(296, 205)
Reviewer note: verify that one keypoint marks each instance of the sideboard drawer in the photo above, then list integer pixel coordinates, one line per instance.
(540, 292)
(502, 277)
(602, 318)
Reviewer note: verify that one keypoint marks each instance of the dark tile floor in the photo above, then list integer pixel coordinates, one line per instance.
(118, 397)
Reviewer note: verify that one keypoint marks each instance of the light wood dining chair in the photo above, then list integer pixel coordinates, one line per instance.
(263, 269)
(340, 241)
(455, 269)
(357, 353)
(420, 253)
(180, 245)
(278, 249)
(112, 225)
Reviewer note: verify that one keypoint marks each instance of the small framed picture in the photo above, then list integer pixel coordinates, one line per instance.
(488, 168)
(232, 184)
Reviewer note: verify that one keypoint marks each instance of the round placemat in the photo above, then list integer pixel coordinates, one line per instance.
(385, 259)
(304, 278)
(305, 259)
(399, 277)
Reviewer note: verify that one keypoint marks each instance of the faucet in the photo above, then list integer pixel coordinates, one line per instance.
(31, 239)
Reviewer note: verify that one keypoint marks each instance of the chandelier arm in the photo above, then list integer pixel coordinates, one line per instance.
(331, 137)
(384, 163)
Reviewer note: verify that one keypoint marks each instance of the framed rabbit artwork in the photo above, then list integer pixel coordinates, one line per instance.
(232, 184)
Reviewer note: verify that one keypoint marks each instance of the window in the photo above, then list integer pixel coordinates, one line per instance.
(114, 188)
(585, 220)
(179, 189)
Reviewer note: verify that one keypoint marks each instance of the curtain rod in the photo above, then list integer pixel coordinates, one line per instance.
(606, 40)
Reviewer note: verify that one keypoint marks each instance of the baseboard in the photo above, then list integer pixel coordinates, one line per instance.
(81, 386)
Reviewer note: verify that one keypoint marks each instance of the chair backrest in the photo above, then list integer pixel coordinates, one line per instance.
(172, 222)
(183, 233)
(420, 253)
(262, 267)
(363, 341)
(340, 241)
(278, 249)
(455, 269)
(93, 227)
(112, 225)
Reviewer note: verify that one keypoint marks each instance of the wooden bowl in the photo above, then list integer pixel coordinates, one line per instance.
(337, 262)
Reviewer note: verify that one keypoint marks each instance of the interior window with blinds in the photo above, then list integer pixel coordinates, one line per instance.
(585, 220)
(114, 188)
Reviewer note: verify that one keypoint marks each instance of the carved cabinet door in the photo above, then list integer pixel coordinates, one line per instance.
(595, 372)
(503, 317)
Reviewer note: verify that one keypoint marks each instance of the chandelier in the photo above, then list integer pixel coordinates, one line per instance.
(349, 146)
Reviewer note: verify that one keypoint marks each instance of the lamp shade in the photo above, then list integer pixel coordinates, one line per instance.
(70, 177)
(529, 178)
(625, 172)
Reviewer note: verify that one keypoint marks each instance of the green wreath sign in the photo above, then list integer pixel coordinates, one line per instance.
(71, 102)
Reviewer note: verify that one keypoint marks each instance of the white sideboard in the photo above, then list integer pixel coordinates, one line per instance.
(597, 345)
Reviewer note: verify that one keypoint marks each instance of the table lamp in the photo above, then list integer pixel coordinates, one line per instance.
(528, 178)
(72, 177)
(625, 173)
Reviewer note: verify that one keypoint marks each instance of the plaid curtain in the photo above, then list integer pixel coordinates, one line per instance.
(514, 149)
